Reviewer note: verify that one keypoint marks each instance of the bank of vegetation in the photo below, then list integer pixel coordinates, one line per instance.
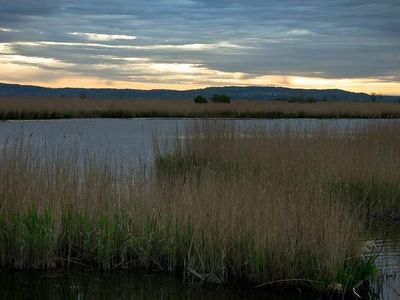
(217, 107)
(223, 204)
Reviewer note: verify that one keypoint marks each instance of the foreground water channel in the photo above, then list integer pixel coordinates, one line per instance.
(132, 140)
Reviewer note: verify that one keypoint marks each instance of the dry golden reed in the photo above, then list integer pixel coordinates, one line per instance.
(51, 108)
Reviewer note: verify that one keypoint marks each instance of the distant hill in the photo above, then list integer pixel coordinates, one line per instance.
(253, 93)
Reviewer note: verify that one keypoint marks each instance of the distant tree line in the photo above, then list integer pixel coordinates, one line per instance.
(82, 95)
(302, 99)
(374, 97)
(216, 98)
(221, 98)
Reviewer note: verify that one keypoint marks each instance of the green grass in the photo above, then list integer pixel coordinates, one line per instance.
(379, 199)
(355, 274)
(33, 240)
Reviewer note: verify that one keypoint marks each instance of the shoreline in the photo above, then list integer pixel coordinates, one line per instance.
(267, 116)
(31, 108)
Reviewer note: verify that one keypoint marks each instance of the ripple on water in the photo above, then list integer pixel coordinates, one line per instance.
(388, 262)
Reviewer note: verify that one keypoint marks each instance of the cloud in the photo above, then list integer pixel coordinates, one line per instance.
(186, 47)
(31, 60)
(297, 32)
(103, 37)
(13, 12)
(337, 39)
(123, 59)
(5, 48)
(4, 29)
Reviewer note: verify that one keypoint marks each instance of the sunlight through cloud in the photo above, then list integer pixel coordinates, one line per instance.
(103, 37)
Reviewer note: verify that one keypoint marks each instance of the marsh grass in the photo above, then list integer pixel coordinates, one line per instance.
(20, 108)
(222, 204)
(380, 200)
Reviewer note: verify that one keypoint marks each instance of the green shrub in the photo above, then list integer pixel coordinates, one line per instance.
(302, 99)
(200, 99)
(220, 98)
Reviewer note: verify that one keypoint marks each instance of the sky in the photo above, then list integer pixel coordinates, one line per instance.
(185, 44)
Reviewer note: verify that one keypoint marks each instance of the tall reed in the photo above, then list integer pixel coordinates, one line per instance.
(221, 204)
(58, 108)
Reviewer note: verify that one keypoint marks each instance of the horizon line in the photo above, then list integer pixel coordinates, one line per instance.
(194, 89)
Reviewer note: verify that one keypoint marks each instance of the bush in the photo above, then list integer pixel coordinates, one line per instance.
(302, 99)
(216, 98)
(200, 99)
(82, 95)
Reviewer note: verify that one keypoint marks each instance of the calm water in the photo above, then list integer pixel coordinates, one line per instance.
(388, 262)
(132, 139)
(123, 285)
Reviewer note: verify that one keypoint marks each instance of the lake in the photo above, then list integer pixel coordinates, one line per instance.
(132, 140)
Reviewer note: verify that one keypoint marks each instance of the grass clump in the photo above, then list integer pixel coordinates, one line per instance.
(380, 200)
(353, 275)
(29, 235)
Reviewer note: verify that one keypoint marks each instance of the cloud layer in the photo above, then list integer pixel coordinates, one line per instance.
(192, 43)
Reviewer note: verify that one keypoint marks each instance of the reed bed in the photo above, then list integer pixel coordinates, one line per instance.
(221, 204)
(360, 165)
(57, 108)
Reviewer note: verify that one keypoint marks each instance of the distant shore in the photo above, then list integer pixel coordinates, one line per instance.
(25, 108)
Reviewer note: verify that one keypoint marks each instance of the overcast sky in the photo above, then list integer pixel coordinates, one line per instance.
(182, 44)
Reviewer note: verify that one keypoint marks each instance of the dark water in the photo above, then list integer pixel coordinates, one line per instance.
(124, 285)
(133, 139)
(388, 262)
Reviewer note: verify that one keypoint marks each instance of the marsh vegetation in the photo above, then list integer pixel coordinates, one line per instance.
(219, 204)
(23, 108)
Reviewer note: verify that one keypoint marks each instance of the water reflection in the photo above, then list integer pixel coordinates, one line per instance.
(123, 285)
(388, 262)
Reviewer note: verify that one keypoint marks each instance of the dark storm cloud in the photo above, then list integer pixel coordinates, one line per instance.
(28, 7)
(335, 39)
